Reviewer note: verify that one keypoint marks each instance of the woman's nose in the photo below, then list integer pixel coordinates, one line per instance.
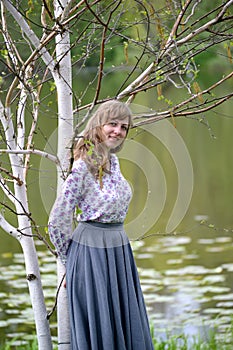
(117, 129)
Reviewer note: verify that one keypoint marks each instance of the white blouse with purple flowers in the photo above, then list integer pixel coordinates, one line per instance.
(81, 190)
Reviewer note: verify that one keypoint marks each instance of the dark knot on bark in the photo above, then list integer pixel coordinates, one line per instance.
(31, 277)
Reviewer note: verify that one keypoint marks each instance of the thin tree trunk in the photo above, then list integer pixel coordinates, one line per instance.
(25, 238)
(65, 130)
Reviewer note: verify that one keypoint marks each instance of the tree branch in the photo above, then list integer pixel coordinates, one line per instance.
(170, 44)
(9, 228)
(102, 49)
(206, 26)
(18, 233)
(17, 179)
(32, 151)
(6, 189)
(31, 36)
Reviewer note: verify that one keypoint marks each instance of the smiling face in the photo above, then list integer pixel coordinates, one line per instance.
(115, 132)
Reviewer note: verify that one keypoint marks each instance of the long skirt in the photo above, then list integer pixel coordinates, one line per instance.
(106, 305)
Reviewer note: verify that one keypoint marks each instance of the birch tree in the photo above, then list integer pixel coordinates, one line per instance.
(149, 46)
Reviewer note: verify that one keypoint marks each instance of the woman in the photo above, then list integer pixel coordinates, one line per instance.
(106, 306)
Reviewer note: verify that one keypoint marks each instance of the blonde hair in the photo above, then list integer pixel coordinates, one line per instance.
(91, 147)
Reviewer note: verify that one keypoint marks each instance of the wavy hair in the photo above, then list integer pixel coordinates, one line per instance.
(91, 147)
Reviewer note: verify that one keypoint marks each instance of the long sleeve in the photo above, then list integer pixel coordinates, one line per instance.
(61, 216)
(108, 203)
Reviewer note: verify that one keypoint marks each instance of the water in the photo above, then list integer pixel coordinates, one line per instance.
(186, 279)
(186, 275)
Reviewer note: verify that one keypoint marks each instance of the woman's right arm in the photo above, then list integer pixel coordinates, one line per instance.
(61, 216)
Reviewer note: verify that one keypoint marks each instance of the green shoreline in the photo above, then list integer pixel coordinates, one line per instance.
(172, 342)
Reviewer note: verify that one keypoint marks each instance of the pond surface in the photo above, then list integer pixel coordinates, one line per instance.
(187, 282)
(186, 274)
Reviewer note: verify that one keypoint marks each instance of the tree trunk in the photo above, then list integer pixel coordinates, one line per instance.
(65, 130)
(25, 238)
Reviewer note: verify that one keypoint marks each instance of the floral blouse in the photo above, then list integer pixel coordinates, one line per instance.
(82, 191)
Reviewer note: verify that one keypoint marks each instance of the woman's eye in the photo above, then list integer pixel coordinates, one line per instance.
(113, 124)
(124, 127)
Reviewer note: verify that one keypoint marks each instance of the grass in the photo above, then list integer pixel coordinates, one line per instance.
(15, 344)
(172, 342)
(184, 342)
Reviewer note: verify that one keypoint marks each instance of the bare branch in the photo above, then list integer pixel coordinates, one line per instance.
(31, 151)
(17, 179)
(101, 61)
(31, 36)
(206, 26)
(173, 32)
(6, 190)
(18, 233)
(171, 44)
(4, 224)
(46, 8)
(70, 19)
(12, 50)
(206, 91)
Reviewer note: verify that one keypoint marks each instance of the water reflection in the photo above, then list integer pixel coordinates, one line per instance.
(187, 278)
(180, 293)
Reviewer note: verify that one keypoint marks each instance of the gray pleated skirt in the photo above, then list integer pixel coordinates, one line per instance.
(106, 305)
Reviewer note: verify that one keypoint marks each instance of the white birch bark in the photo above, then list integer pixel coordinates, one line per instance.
(63, 82)
(62, 77)
(23, 232)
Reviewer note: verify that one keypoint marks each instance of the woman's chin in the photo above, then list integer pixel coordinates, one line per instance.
(112, 144)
